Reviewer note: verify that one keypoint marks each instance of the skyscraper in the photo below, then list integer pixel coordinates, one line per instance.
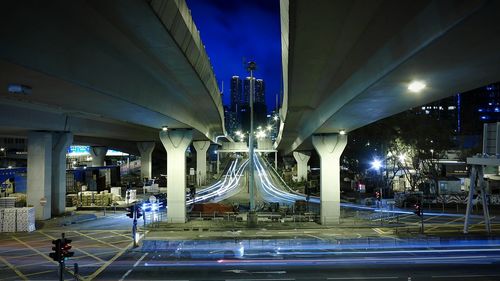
(260, 96)
(259, 104)
(235, 93)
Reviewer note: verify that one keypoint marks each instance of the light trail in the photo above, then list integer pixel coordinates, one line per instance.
(289, 197)
(224, 187)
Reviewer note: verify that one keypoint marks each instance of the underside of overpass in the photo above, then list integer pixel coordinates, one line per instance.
(347, 64)
(107, 74)
(112, 69)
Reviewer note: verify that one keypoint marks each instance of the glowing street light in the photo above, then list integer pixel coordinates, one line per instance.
(416, 86)
(342, 132)
(164, 128)
(269, 127)
(275, 117)
(261, 134)
(402, 158)
(376, 164)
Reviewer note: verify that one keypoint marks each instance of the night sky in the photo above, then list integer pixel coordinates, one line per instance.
(234, 31)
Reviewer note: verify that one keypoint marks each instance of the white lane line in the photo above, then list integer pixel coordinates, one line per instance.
(135, 265)
(362, 278)
(314, 236)
(269, 272)
(279, 279)
(463, 276)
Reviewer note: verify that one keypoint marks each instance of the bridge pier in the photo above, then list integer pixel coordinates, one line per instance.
(201, 160)
(47, 172)
(146, 149)
(98, 154)
(176, 142)
(301, 158)
(60, 143)
(330, 148)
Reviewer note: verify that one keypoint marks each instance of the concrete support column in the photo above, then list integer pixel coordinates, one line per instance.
(40, 173)
(146, 150)
(176, 142)
(302, 159)
(98, 154)
(60, 143)
(201, 160)
(330, 148)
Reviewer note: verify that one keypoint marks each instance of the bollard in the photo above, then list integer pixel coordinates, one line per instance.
(75, 269)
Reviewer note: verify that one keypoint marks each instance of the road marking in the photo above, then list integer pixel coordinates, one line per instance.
(34, 249)
(362, 278)
(76, 248)
(432, 217)
(314, 236)
(102, 242)
(13, 268)
(447, 223)
(274, 279)
(380, 231)
(104, 266)
(463, 276)
(41, 272)
(483, 221)
(269, 272)
(135, 265)
(30, 264)
(120, 234)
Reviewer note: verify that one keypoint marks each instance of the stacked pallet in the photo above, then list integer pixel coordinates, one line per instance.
(92, 198)
(17, 219)
(9, 220)
(25, 219)
(71, 200)
(7, 202)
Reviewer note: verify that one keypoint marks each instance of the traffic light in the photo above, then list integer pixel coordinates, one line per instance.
(418, 210)
(56, 255)
(138, 212)
(130, 211)
(377, 195)
(65, 249)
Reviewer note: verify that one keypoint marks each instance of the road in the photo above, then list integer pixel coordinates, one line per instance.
(313, 260)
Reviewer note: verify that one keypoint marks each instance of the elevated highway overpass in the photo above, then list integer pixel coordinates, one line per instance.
(349, 63)
(108, 73)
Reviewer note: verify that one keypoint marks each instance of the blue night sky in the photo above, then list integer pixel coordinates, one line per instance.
(238, 30)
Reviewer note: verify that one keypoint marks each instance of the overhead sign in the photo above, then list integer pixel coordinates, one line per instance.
(78, 150)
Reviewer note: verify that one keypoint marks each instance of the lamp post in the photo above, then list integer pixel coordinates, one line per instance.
(251, 67)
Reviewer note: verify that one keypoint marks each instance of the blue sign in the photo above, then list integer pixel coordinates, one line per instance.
(78, 150)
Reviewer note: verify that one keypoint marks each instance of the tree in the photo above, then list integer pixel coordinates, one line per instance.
(408, 143)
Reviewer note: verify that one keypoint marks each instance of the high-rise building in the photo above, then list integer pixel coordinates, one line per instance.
(259, 104)
(260, 96)
(245, 99)
(235, 93)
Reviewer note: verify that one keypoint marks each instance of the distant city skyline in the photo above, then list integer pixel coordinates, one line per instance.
(232, 36)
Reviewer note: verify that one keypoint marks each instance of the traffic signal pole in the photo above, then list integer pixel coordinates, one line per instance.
(61, 252)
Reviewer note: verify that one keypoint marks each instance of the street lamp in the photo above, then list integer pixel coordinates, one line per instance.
(261, 134)
(416, 86)
(402, 158)
(376, 164)
(251, 67)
